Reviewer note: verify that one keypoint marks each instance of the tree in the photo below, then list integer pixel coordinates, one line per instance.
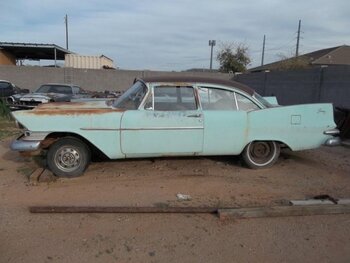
(233, 57)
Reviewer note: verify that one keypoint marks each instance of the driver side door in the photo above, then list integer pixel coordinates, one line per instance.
(169, 123)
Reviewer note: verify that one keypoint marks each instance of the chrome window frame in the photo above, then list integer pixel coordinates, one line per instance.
(151, 86)
(235, 90)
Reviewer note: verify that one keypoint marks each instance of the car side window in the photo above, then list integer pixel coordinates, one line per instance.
(174, 98)
(76, 90)
(245, 104)
(217, 99)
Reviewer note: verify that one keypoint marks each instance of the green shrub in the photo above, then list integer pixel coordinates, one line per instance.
(4, 110)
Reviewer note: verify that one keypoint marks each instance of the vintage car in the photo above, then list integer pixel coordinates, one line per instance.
(174, 116)
(10, 91)
(51, 92)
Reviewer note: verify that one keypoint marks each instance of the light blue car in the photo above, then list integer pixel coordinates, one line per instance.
(173, 116)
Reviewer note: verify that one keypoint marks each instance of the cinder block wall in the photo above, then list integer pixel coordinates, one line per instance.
(31, 77)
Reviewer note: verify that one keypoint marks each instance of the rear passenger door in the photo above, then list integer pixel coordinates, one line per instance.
(169, 123)
(225, 124)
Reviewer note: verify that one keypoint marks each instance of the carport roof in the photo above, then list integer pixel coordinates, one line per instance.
(34, 50)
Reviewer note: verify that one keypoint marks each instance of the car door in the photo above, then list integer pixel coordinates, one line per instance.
(169, 123)
(225, 125)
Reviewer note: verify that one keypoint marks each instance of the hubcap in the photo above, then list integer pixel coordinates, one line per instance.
(261, 152)
(67, 158)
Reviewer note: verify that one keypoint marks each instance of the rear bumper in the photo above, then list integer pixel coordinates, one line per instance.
(24, 146)
(335, 141)
(331, 132)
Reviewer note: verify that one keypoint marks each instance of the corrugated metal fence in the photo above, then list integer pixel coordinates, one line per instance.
(330, 84)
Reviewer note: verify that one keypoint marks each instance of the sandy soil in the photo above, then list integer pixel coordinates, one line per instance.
(214, 181)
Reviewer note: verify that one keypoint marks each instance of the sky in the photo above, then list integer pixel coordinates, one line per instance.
(173, 35)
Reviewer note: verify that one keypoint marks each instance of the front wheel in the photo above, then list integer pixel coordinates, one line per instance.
(261, 154)
(68, 157)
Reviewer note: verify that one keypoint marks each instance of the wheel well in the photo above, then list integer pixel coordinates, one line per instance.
(54, 136)
(281, 144)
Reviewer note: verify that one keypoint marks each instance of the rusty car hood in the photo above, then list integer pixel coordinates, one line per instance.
(77, 105)
(60, 115)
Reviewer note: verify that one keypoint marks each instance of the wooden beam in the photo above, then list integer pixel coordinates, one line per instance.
(117, 209)
(281, 211)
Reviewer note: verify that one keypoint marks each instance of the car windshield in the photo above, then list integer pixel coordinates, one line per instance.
(54, 89)
(132, 98)
(262, 100)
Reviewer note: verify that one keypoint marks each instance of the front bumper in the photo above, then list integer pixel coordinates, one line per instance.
(24, 146)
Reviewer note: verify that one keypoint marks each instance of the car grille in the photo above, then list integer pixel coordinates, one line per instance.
(30, 103)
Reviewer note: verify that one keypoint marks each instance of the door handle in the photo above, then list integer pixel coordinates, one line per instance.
(198, 115)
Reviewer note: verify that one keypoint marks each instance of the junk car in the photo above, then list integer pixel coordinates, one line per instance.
(51, 92)
(174, 116)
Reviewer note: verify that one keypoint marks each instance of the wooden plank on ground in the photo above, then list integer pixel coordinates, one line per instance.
(312, 202)
(281, 211)
(116, 209)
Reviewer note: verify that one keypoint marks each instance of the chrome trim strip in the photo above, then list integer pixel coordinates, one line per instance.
(331, 132)
(143, 129)
(162, 128)
(99, 129)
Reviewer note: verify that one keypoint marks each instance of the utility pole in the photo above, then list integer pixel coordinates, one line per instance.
(212, 43)
(298, 38)
(66, 22)
(263, 52)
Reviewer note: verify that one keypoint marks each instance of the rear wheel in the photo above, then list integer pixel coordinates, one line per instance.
(68, 157)
(261, 154)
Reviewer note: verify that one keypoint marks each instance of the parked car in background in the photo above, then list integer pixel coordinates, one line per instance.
(174, 116)
(52, 92)
(8, 89)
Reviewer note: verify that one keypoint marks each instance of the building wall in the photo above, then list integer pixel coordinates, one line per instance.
(6, 58)
(87, 62)
(31, 77)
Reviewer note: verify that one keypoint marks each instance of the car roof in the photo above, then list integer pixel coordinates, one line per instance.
(60, 84)
(195, 79)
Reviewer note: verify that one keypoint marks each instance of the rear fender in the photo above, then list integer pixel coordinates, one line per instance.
(300, 126)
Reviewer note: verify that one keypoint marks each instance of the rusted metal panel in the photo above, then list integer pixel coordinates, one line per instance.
(73, 112)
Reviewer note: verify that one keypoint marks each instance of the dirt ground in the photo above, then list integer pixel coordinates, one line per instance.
(214, 181)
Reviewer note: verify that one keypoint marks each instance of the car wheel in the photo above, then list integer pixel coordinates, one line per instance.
(261, 154)
(68, 157)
